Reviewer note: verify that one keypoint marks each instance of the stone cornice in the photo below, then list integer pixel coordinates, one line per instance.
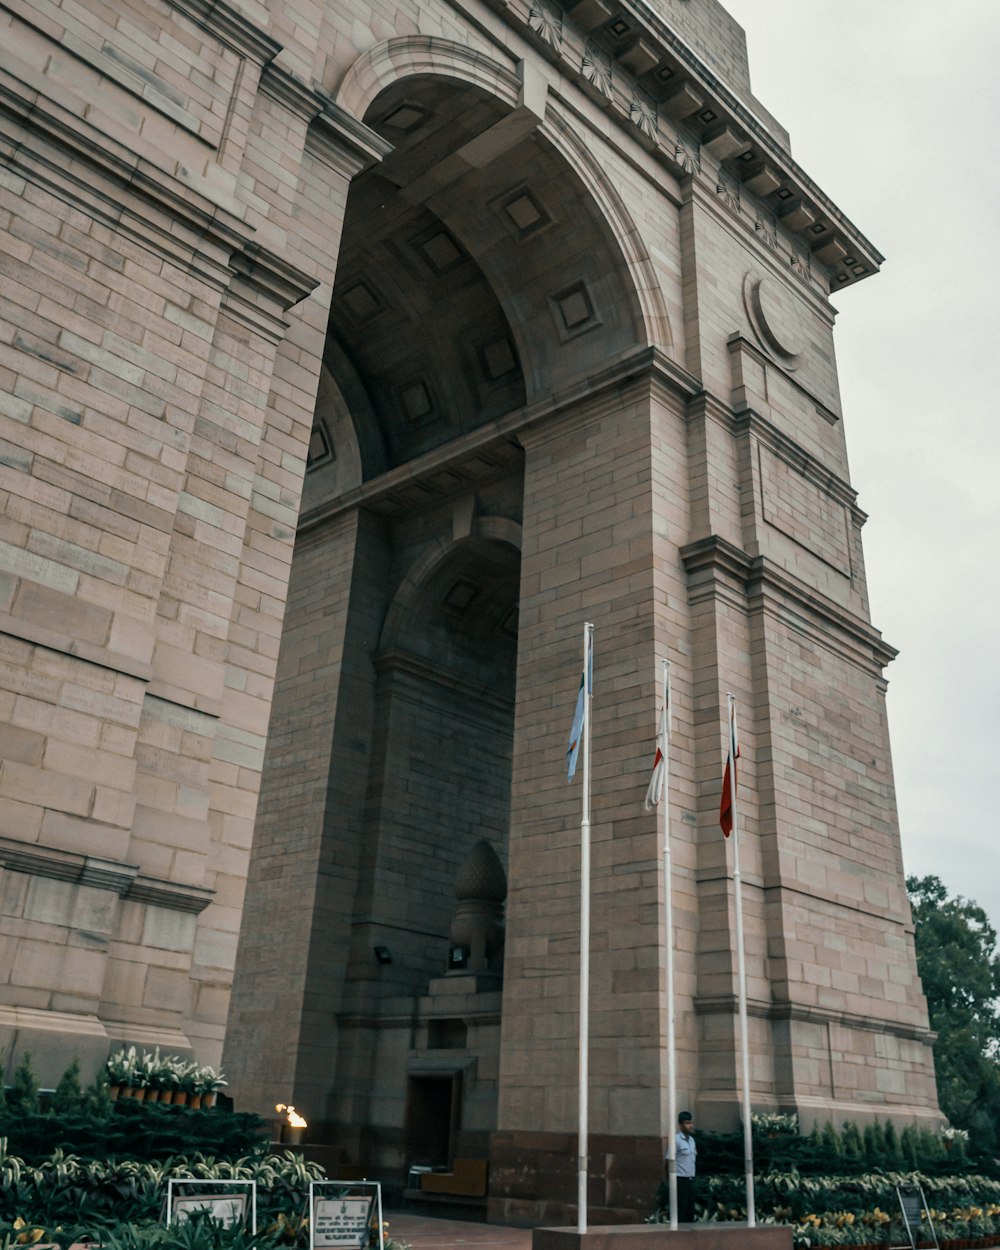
(397, 661)
(271, 276)
(288, 90)
(772, 586)
(647, 366)
(726, 1004)
(338, 137)
(231, 27)
(760, 231)
(192, 899)
(625, 56)
(719, 556)
(334, 135)
(735, 111)
(712, 561)
(740, 343)
(37, 860)
(805, 463)
(163, 213)
(53, 141)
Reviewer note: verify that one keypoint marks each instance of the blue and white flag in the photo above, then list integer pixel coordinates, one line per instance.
(576, 732)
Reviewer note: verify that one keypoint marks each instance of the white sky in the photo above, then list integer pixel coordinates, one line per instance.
(894, 110)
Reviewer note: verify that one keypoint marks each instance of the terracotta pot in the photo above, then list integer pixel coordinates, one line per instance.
(139, 1094)
(113, 1092)
(152, 1095)
(180, 1097)
(166, 1096)
(194, 1101)
(208, 1100)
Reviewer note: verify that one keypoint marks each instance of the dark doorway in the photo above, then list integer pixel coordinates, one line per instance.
(433, 1113)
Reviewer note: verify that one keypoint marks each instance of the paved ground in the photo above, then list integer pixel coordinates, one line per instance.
(426, 1233)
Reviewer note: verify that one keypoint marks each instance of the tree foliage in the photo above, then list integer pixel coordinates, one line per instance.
(959, 965)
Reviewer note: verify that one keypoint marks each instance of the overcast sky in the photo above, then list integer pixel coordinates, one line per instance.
(894, 110)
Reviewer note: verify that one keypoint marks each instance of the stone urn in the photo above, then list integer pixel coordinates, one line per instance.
(478, 920)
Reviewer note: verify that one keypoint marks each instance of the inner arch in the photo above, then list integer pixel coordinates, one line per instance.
(477, 272)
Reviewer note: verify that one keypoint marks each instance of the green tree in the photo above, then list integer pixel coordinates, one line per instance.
(68, 1095)
(23, 1094)
(893, 1150)
(959, 966)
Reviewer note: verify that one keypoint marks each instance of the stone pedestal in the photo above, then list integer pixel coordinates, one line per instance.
(647, 1236)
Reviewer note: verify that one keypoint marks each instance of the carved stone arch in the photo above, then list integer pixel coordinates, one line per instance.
(409, 589)
(410, 55)
(500, 530)
(567, 141)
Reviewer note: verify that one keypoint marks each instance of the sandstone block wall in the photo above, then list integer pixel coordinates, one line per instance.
(538, 297)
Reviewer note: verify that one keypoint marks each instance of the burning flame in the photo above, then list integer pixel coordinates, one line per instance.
(291, 1115)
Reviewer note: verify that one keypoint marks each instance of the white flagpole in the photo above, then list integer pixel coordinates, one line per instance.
(668, 924)
(581, 1188)
(741, 967)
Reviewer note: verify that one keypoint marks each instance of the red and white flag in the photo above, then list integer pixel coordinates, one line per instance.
(729, 779)
(659, 775)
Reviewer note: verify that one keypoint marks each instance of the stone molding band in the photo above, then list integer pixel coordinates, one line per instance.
(125, 880)
(726, 1004)
(713, 563)
(53, 141)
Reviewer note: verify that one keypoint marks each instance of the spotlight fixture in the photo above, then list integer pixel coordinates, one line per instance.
(383, 954)
(458, 957)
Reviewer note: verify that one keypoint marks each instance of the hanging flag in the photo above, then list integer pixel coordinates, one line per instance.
(655, 791)
(576, 732)
(729, 787)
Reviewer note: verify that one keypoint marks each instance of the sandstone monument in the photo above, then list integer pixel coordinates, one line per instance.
(352, 355)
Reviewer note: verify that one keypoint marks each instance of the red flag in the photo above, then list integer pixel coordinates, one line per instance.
(658, 778)
(729, 787)
(655, 789)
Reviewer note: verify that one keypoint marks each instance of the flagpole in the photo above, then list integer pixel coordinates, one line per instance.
(581, 1189)
(741, 968)
(668, 924)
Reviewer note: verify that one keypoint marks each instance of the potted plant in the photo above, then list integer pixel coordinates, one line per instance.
(205, 1083)
(142, 1077)
(211, 1083)
(190, 1085)
(118, 1071)
(151, 1065)
(168, 1077)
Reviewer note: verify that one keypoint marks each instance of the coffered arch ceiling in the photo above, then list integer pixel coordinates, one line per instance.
(465, 291)
(458, 612)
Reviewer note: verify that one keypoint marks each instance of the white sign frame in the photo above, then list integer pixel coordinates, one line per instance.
(217, 1194)
(346, 1191)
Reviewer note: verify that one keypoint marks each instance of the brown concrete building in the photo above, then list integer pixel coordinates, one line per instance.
(431, 329)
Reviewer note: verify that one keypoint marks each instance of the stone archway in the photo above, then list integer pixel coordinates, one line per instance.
(481, 277)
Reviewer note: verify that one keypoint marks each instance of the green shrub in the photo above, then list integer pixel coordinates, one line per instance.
(96, 1195)
(22, 1097)
(825, 1152)
(96, 1128)
(68, 1096)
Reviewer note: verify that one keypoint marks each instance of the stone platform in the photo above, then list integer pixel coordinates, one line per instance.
(728, 1236)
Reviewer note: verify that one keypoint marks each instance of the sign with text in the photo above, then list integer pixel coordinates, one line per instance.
(345, 1215)
(342, 1222)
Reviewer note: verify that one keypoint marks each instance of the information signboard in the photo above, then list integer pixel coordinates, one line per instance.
(225, 1201)
(342, 1222)
(345, 1215)
(229, 1209)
